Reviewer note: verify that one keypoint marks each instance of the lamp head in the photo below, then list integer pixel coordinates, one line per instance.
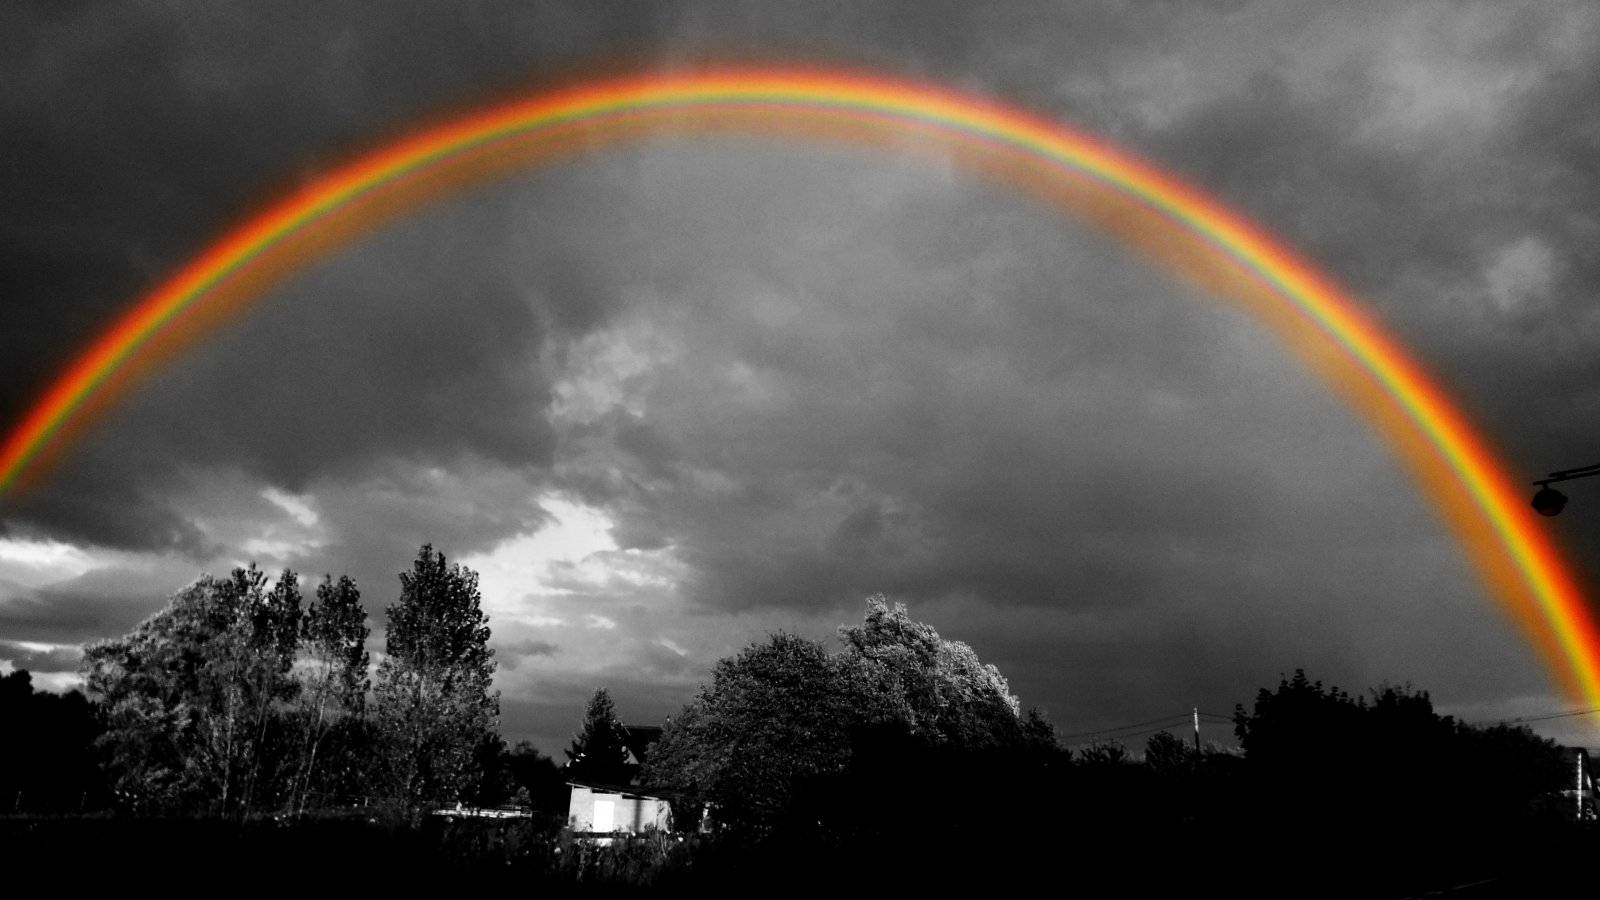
(1549, 501)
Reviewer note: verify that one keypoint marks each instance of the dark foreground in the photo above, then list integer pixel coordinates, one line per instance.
(190, 855)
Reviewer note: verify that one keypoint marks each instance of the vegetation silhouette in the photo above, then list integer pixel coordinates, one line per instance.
(245, 729)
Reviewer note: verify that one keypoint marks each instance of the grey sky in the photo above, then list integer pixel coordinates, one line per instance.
(745, 383)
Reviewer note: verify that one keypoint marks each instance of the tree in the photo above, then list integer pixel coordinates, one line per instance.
(1038, 732)
(433, 700)
(599, 753)
(786, 720)
(46, 759)
(191, 698)
(538, 778)
(1383, 755)
(1104, 754)
(334, 634)
(1167, 754)
(523, 776)
(946, 693)
(778, 715)
(260, 651)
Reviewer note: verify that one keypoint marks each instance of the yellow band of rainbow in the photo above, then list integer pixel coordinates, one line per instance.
(1195, 235)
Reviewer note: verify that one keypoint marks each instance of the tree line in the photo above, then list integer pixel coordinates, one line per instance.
(902, 749)
(785, 728)
(240, 697)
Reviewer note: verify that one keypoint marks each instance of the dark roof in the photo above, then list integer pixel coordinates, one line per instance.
(628, 790)
(638, 739)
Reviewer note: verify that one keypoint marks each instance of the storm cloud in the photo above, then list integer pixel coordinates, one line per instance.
(669, 396)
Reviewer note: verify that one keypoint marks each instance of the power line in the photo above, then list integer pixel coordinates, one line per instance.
(1162, 724)
(1561, 715)
(1174, 719)
(1143, 733)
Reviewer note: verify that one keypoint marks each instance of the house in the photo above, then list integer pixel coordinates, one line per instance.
(613, 809)
(1580, 792)
(623, 806)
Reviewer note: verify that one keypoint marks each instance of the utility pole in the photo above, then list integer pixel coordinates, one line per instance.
(1580, 785)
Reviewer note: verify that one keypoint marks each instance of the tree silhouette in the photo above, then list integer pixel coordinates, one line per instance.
(1167, 754)
(599, 753)
(1391, 766)
(46, 762)
(776, 716)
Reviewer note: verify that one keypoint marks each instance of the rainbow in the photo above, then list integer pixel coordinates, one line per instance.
(1194, 235)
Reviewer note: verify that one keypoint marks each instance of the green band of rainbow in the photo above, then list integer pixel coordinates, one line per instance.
(1142, 204)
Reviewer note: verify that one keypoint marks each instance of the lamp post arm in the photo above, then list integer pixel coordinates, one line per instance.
(1570, 474)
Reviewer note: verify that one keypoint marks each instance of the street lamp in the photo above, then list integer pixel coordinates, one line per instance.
(1549, 501)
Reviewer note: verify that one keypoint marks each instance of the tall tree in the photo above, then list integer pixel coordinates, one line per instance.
(269, 626)
(434, 704)
(599, 753)
(334, 635)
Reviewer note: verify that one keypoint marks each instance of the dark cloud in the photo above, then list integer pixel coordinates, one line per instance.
(96, 502)
(509, 655)
(807, 374)
(99, 604)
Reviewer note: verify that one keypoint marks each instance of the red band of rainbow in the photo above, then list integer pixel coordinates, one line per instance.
(1195, 235)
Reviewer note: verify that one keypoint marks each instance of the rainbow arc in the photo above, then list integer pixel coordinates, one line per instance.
(1180, 227)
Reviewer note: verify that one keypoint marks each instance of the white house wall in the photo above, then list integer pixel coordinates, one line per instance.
(629, 812)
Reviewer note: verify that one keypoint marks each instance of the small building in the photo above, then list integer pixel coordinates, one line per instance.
(1580, 790)
(613, 809)
(624, 806)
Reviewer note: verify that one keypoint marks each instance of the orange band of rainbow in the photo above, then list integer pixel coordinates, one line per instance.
(1193, 234)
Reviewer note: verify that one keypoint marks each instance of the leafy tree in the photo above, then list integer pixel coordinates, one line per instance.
(1525, 773)
(945, 693)
(191, 697)
(537, 777)
(493, 785)
(786, 720)
(433, 700)
(1299, 717)
(778, 715)
(334, 634)
(1167, 754)
(599, 753)
(1104, 754)
(522, 776)
(260, 652)
(1382, 755)
(1039, 736)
